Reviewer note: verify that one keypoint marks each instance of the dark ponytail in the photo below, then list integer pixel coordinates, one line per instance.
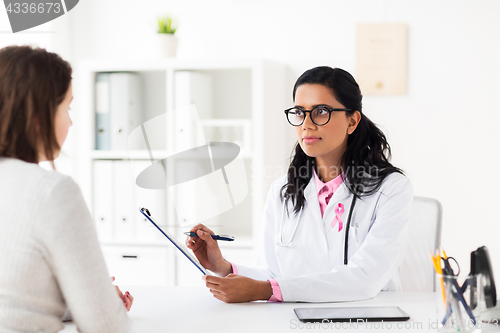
(365, 163)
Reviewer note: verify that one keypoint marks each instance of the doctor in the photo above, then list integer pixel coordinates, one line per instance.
(335, 227)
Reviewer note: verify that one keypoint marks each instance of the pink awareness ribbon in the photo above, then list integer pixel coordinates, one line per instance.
(339, 210)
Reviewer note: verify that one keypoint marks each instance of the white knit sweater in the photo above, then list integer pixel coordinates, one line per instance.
(50, 257)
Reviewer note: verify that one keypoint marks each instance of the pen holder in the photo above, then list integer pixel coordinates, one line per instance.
(460, 301)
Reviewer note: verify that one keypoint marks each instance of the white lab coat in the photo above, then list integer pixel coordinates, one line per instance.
(313, 269)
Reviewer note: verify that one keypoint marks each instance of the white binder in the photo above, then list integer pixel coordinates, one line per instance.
(103, 199)
(192, 102)
(125, 107)
(124, 208)
(154, 200)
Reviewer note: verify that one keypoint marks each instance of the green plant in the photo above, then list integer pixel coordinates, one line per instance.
(166, 25)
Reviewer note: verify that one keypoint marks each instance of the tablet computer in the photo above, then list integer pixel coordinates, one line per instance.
(177, 244)
(351, 314)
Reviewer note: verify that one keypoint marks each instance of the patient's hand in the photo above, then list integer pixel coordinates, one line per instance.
(236, 288)
(126, 298)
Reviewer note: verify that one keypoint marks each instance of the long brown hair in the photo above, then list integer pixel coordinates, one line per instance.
(366, 161)
(33, 82)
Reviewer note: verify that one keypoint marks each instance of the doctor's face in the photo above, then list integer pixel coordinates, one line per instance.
(327, 142)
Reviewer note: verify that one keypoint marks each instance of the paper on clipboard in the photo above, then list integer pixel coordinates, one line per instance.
(177, 244)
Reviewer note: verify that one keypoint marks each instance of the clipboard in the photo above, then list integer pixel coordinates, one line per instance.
(177, 244)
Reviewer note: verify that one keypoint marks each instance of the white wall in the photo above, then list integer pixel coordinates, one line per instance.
(40, 36)
(443, 131)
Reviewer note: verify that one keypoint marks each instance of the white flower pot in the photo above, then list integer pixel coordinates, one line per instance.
(166, 45)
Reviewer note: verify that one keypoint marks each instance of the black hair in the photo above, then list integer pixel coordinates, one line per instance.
(365, 163)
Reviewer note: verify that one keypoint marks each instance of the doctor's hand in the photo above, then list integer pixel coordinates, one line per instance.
(237, 288)
(207, 251)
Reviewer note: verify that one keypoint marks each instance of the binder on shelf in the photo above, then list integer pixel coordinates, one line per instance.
(210, 193)
(150, 135)
(102, 116)
(103, 199)
(118, 109)
(192, 102)
(123, 196)
(184, 197)
(155, 200)
(125, 107)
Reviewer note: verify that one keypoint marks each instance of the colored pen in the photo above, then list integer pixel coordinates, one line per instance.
(216, 237)
(437, 266)
(456, 289)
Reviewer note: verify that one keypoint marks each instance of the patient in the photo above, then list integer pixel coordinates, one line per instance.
(50, 259)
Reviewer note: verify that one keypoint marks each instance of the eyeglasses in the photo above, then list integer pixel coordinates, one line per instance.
(320, 115)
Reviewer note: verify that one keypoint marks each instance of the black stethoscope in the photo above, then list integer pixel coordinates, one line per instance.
(290, 243)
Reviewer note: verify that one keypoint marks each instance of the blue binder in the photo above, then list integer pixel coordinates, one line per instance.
(102, 112)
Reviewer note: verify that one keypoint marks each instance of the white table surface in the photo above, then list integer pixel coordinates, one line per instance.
(194, 309)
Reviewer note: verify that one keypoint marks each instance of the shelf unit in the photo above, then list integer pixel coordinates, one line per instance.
(247, 92)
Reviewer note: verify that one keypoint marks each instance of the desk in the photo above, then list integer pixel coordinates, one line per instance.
(194, 309)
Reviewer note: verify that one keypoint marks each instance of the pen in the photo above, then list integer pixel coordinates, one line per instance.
(455, 288)
(437, 267)
(457, 291)
(216, 237)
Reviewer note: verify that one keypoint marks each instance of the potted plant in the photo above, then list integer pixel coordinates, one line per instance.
(166, 34)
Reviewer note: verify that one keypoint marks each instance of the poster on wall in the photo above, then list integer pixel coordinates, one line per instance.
(382, 58)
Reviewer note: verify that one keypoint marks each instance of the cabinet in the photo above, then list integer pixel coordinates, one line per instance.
(237, 101)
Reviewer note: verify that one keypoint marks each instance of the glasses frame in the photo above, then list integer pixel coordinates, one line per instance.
(330, 110)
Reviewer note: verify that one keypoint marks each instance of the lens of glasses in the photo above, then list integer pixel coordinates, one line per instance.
(295, 116)
(320, 116)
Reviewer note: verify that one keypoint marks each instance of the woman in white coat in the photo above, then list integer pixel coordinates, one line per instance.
(335, 227)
